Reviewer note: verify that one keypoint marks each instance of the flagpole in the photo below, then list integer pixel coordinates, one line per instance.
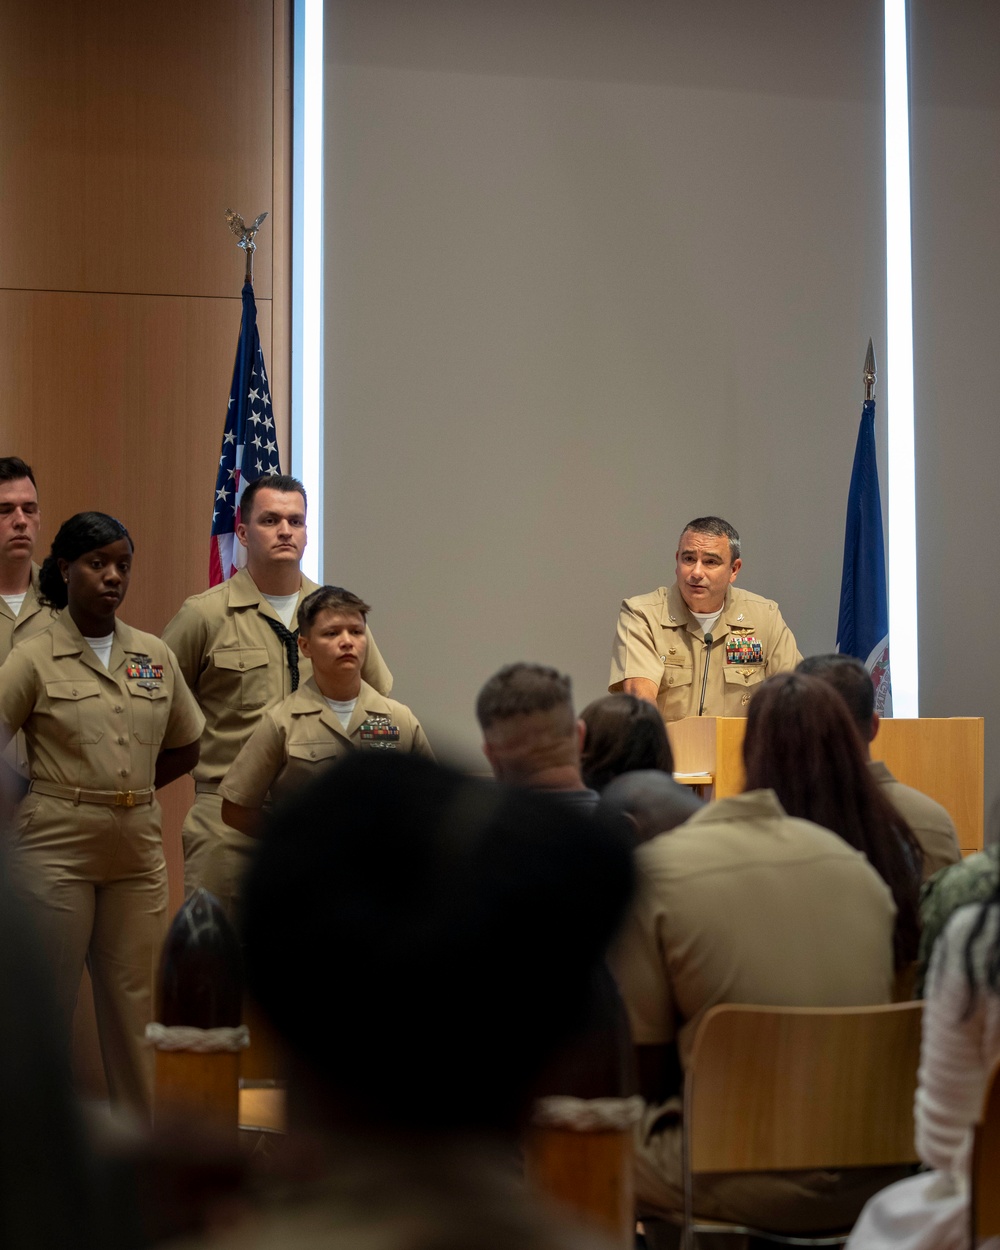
(245, 236)
(869, 373)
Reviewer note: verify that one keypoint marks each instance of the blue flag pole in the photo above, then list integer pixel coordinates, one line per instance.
(863, 623)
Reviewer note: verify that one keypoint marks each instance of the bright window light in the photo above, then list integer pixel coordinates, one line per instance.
(307, 272)
(899, 370)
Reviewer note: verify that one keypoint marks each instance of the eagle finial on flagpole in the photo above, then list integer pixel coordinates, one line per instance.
(245, 237)
(869, 374)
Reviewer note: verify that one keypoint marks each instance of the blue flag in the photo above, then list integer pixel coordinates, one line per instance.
(249, 444)
(863, 626)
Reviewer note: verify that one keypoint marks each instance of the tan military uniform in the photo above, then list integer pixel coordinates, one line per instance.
(237, 668)
(745, 904)
(303, 734)
(659, 639)
(89, 856)
(31, 620)
(933, 828)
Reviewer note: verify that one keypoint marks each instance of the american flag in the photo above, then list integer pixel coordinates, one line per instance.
(249, 445)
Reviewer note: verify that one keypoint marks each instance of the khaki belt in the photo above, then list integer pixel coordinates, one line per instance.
(109, 798)
(206, 787)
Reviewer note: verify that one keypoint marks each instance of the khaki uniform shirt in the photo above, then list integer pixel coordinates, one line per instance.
(31, 620)
(659, 639)
(303, 733)
(88, 726)
(933, 828)
(745, 904)
(237, 667)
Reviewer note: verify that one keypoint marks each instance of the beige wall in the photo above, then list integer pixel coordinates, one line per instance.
(591, 270)
(956, 292)
(128, 130)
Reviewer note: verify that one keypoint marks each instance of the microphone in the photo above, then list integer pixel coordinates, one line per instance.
(704, 680)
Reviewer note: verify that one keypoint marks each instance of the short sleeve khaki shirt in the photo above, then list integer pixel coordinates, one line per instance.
(31, 620)
(303, 734)
(237, 667)
(90, 726)
(933, 828)
(658, 638)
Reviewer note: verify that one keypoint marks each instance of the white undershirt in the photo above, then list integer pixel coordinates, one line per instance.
(344, 709)
(101, 647)
(707, 620)
(14, 602)
(284, 606)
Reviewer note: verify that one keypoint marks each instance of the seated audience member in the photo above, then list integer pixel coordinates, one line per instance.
(623, 734)
(802, 744)
(973, 880)
(421, 968)
(531, 735)
(746, 904)
(961, 1043)
(331, 714)
(651, 801)
(933, 828)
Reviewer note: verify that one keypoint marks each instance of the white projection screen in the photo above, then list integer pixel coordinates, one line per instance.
(591, 269)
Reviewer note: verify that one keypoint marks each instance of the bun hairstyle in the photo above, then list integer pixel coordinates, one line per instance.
(86, 531)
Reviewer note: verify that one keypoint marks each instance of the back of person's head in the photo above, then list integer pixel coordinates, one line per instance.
(624, 734)
(851, 680)
(526, 714)
(802, 743)
(652, 800)
(424, 942)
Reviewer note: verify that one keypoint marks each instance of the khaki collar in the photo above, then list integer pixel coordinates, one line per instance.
(309, 701)
(244, 593)
(30, 605)
(751, 805)
(735, 614)
(67, 640)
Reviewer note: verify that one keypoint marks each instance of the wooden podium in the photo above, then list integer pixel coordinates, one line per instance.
(943, 758)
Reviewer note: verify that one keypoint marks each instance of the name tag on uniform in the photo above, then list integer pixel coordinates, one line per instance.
(742, 647)
(142, 669)
(378, 733)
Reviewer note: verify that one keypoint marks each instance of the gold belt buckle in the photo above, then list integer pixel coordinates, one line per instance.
(124, 798)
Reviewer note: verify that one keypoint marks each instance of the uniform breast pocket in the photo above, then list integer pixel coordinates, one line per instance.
(307, 753)
(77, 708)
(674, 697)
(241, 676)
(150, 708)
(741, 680)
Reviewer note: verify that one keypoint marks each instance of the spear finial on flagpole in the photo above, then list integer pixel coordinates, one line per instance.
(245, 237)
(869, 372)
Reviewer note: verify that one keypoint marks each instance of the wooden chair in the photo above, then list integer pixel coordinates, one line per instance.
(984, 1208)
(775, 1089)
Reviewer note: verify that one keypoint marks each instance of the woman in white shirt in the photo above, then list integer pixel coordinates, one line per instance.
(961, 1044)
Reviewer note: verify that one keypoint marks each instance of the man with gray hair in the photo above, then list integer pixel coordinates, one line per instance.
(531, 734)
(701, 646)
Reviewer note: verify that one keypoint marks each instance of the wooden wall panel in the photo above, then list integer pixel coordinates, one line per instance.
(128, 130)
(118, 402)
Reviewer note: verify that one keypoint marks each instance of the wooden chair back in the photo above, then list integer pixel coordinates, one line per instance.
(985, 1205)
(795, 1087)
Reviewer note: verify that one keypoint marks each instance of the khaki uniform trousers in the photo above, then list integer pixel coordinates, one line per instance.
(221, 856)
(96, 881)
(784, 1202)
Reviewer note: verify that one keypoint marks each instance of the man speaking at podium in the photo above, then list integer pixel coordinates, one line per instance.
(699, 647)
